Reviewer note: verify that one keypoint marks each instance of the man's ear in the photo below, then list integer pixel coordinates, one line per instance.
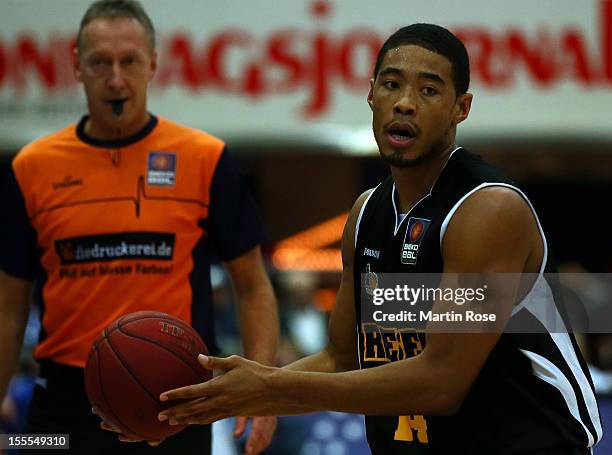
(462, 108)
(76, 65)
(153, 65)
(371, 93)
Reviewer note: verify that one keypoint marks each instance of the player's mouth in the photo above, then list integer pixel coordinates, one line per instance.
(401, 134)
(116, 105)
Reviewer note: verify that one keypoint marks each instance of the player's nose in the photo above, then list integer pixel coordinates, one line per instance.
(116, 80)
(405, 104)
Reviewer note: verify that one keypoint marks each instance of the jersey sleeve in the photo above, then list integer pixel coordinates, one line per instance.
(18, 249)
(234, 221)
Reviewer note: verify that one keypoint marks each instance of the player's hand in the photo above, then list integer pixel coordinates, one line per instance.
(260, 437)
(122, 437)
(243, 390)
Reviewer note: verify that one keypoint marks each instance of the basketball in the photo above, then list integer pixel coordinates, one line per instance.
(134, 360)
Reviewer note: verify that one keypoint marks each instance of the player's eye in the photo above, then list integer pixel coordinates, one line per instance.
(390, 84)
(98, 62)
(429, 91)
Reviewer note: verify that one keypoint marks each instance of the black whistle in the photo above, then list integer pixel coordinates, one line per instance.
(117, 106)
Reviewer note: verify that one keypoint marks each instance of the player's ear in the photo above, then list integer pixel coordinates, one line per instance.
(76, 65)
(153, 67)
(371, 93)
(462, 108)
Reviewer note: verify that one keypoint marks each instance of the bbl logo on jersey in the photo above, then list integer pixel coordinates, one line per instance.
(161, 169)
(415, 231)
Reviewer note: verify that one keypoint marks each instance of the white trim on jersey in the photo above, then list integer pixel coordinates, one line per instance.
(362, 210)
(491, 184)
(539, 301)
(356, 235)
(564, 343)
(397, 215)
(548, 372)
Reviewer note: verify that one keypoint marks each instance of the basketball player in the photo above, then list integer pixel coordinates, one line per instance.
(116, 214)
(446, 393)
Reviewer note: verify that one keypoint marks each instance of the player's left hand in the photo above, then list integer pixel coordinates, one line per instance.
(122, 437)
(260, 437)
(243, 390)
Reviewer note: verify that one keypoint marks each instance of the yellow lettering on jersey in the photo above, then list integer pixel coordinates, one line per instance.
(373, 344)
(406, 425)
(416, 344)
(395, 344)
(383, 344)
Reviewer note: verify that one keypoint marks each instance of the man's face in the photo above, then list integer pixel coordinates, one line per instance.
(115, 63)
(414, 105)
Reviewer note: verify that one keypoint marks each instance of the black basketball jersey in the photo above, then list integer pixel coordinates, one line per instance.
(534, 392)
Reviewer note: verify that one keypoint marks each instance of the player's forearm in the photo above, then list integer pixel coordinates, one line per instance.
(14, 309)
(258, 316)
(11, 337)
(401, 388)
(321, 362)
(326, 361)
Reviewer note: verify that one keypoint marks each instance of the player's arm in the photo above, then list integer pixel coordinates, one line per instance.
(493, 231)
(340, 353)
(18, 263)
(257, 309)
(14, 309)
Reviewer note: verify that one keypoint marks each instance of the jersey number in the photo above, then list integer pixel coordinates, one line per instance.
(407, 424)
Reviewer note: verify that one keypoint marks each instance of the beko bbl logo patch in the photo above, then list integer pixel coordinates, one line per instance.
(415, 231)
(161, 169)
(111, 247)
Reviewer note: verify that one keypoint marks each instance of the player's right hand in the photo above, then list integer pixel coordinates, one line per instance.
(123, 438)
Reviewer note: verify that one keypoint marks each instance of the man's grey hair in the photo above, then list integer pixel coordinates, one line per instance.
(112, 9)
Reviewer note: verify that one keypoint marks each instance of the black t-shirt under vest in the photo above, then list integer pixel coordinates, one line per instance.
(534, 392)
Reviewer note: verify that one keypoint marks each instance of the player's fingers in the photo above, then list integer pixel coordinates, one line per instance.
(256, 444)
(124, 438)
(253, 445)
(204, 388)
(206, 418)
(178, 414)
(261, 434)
(218, 363)
(241, 423)
(155, 443)
(109, 427)
(187, 392)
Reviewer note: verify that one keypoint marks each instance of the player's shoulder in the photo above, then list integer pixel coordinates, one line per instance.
(370, 197)
(361, 201)
(48, 143)
(44, 149)
(493, 198)
(356, 212)
(498, 211)
(470, 168)
(197, 139)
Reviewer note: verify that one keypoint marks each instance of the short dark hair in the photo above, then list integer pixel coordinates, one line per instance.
(436, 39)
(111, 9)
